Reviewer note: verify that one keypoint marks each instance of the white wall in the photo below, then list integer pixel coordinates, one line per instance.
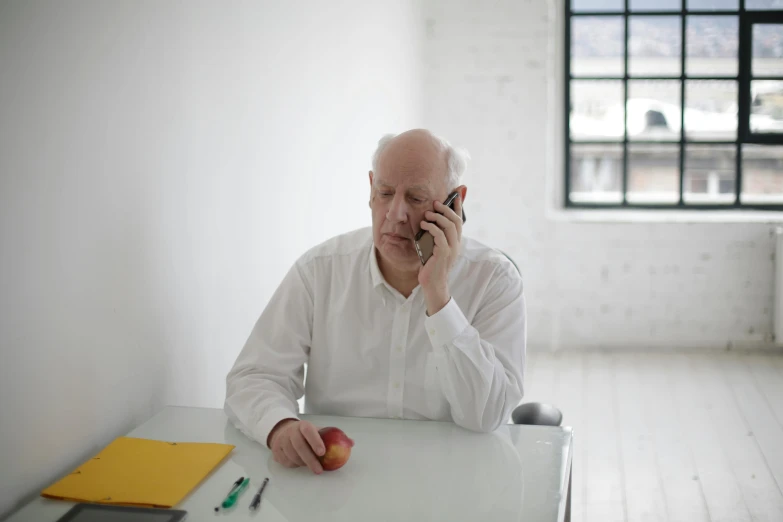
(493, 84)
(163, 163)
(161, 166)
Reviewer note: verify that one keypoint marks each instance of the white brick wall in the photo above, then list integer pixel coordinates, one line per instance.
(492, 84)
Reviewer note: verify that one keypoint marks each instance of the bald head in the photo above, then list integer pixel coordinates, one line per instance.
(415, 150)
(420, 149)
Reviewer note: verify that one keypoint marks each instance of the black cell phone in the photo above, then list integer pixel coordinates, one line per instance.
(424, 241)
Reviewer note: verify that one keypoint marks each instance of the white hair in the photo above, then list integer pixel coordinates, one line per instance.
(456, 158)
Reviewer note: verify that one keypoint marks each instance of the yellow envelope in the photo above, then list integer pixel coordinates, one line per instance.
(140, 472)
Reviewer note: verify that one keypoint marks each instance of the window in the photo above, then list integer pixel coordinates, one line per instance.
(674, 104)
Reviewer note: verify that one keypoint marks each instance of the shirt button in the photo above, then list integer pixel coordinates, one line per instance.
(432, 331)
(396, 384)
(399, 348)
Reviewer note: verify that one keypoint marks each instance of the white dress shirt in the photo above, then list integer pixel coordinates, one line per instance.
(370, 352)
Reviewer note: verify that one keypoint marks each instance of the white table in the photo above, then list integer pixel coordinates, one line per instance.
(399, 471)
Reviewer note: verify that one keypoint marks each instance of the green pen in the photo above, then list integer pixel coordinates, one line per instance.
(232, 497)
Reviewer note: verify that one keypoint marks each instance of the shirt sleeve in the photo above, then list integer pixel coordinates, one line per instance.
(268, 376)
(480, 364)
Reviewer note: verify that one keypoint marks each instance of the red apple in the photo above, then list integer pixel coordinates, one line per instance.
(338, 448)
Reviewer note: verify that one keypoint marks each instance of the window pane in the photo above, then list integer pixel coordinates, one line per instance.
(762, 174)
(711, 109)
(655, 5)
(654, 45)
(654, 110)
(712, 44)
(763, 4)
(713, 5)
(597, 5)
(597, 45)
(767, 50)
(597, 110)
(596, 173)
(710, 174)
(653, 173)
(766, 107)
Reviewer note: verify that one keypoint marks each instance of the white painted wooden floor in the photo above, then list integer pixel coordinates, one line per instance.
(670, 436)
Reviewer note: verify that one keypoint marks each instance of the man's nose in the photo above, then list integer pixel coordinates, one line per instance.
(398, 211)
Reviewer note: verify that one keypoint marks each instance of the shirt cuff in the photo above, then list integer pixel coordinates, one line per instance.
(269, 421)
(446, 325)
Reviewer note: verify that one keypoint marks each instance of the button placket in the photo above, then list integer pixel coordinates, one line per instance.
(397, 361)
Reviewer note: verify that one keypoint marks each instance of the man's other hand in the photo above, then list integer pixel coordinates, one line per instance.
(296, 443)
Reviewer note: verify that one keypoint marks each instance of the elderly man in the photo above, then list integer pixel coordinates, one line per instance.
(383, 335)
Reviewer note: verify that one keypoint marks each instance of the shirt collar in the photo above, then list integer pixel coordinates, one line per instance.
(379, 282)
(375, 271)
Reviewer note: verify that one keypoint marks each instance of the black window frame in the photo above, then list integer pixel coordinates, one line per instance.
(746, 20)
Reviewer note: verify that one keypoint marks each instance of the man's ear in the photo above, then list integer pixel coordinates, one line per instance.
(463, 191)
(369, 203)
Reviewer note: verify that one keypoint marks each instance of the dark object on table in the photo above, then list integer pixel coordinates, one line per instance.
(102, 513)
(257, 498)
(538, 413)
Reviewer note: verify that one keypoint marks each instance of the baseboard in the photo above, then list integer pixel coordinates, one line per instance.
(739, 347)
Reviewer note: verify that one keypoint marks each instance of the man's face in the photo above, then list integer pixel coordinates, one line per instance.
(408, 182)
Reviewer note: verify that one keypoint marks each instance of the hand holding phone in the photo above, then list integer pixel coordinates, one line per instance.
(425, 243)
